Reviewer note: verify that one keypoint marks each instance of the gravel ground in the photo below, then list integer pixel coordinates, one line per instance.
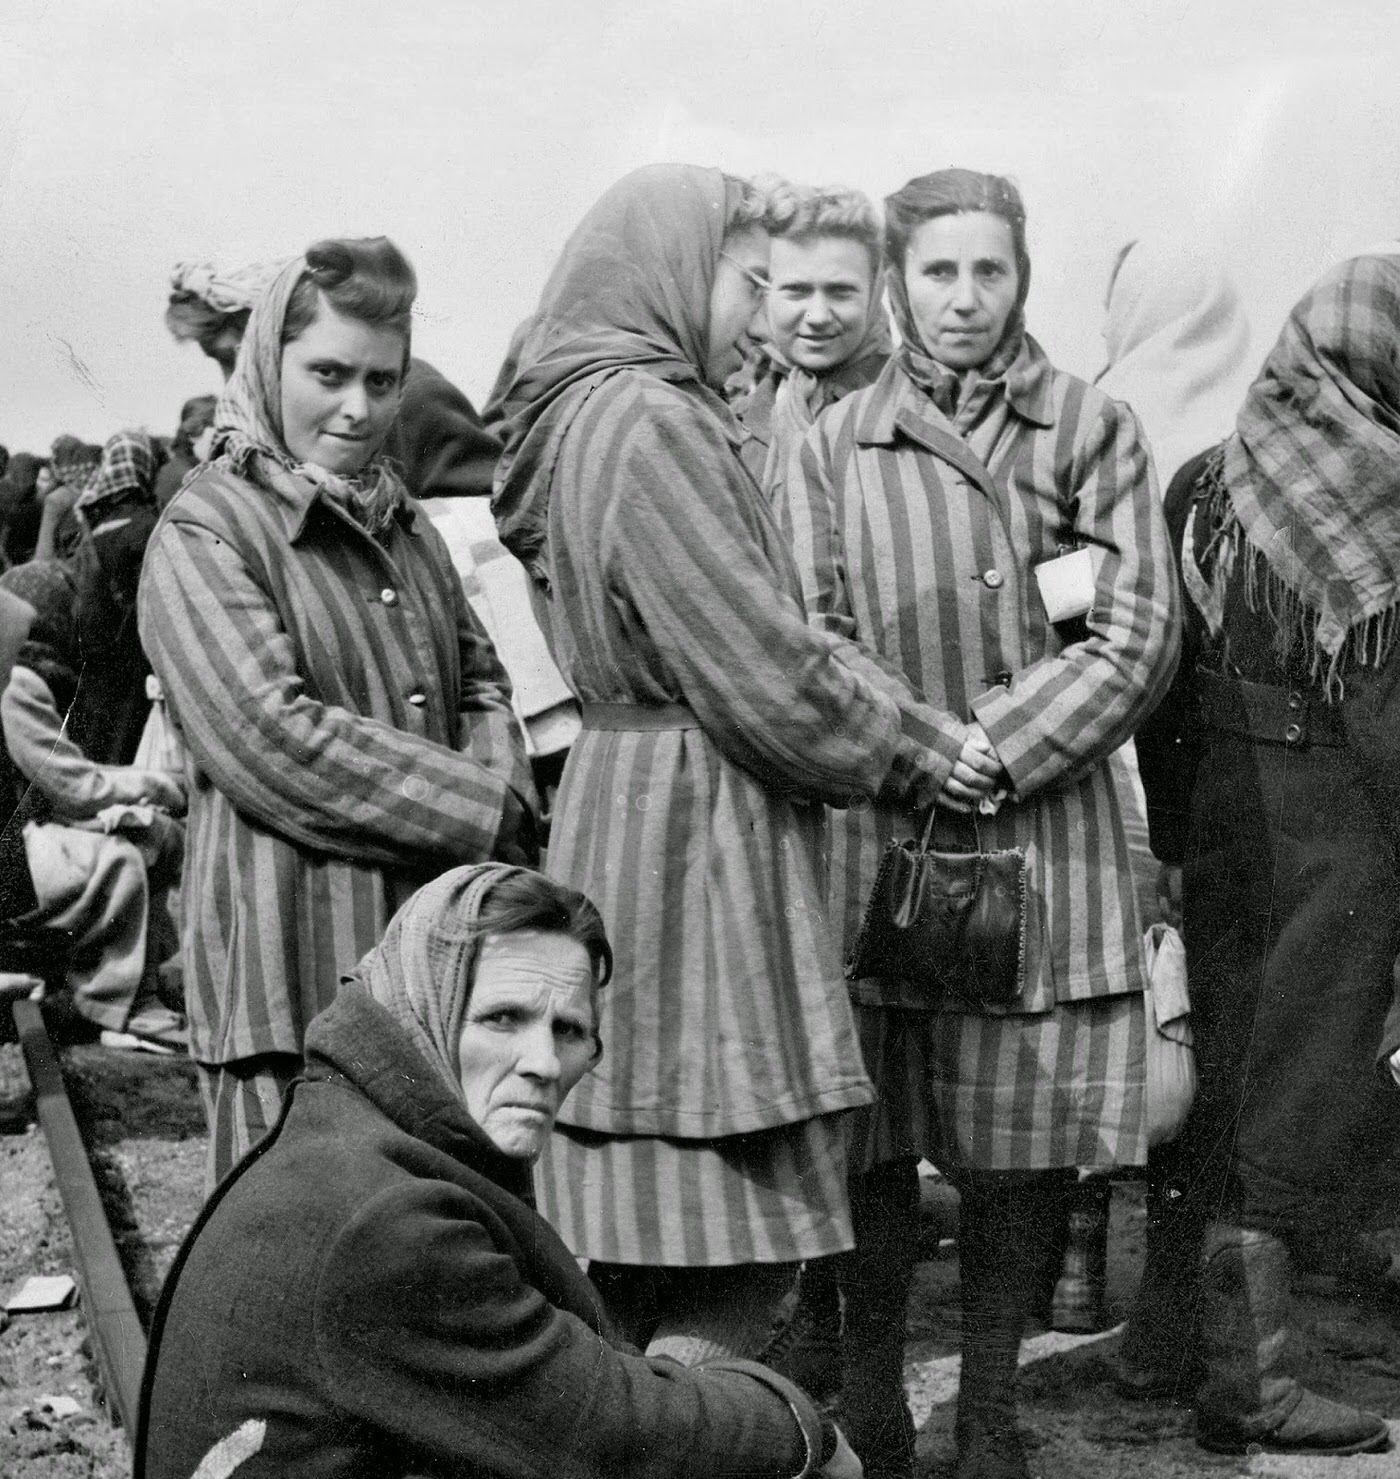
(143, 1117)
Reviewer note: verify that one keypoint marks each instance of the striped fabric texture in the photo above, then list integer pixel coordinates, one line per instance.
(671, 585)
(776, 1196)
(350, 737)
(901, 551)
(727, 1013)
(241, 1104)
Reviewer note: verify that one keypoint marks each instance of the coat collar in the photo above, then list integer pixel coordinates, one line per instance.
(294, 498)
(896, 406)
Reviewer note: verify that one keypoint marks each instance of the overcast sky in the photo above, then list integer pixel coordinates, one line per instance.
(135, 133)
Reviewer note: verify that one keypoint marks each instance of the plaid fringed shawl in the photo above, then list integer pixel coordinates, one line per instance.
(1313, 474)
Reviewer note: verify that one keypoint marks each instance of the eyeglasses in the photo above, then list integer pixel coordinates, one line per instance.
(757, 281)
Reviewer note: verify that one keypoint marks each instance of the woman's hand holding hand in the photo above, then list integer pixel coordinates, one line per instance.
(976, 773)
(843, 1464)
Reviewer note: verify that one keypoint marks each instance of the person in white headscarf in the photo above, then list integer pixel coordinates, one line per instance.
(1178, 347)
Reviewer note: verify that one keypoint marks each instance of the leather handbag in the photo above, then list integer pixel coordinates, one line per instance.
(950, 922)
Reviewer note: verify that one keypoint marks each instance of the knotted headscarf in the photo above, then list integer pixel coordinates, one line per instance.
(631, 288)
(248, 420)
(1178, 348)
(1313, 470)
(224, 289)
(421, 971)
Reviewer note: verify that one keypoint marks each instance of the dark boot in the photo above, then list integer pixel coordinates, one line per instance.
(1007, 1222)
(1077, 1305)
(873, 1411)
(1247, 1397)
(807, 1349)
(1158, 1355)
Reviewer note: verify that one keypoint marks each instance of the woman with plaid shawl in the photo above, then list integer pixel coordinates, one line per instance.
(1271, 778)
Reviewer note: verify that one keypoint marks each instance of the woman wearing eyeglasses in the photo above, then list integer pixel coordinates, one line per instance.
(706, 1156)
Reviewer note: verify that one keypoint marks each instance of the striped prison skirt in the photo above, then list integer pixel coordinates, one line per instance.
(771, 1196)
(1001, 1093)
(242, 1100)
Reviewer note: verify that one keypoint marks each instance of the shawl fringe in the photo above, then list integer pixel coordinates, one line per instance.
(1368, 643)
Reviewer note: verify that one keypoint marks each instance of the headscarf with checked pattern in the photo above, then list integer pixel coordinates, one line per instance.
(128, 468)
(421, 971)
(1308, 488)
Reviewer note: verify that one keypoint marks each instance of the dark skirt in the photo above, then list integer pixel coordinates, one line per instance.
(1292, 925)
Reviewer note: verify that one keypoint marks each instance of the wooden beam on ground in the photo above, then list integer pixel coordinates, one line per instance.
(118, 1341)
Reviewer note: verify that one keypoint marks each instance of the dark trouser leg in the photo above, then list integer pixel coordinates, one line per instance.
(1157, 1356)
(875, 1287)
(1248, 1397)
(1006, 1228)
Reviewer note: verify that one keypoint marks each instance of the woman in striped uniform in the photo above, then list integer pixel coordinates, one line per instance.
(349, 727)
(709, 1144)
(920, 508)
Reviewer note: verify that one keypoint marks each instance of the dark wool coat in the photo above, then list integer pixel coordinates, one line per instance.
(438, 440)
(370, 1292)
(1285, 818)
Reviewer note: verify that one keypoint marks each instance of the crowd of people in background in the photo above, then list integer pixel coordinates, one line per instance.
(810, 544)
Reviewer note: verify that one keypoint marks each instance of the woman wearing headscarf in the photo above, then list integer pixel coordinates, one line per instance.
(348, 724)
(924, 505)
(438, 442)
(73, 466)
(446, 458)
(372, 1292)
(1178, 347)
(709, 1143)
(1270, 773)
(825, 333)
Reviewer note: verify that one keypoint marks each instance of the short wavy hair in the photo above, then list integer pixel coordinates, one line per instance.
(365, 278)
(806, 212)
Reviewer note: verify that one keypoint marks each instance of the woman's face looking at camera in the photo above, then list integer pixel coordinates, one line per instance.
(341, 382)
(529, 1035)
(820, 299)
(961, 277)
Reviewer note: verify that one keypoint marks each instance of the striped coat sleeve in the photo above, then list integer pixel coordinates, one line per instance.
(1065, 712)
(807, 511)
(318, 775)
(685, 538)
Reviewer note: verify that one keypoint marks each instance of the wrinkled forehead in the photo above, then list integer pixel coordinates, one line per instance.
(537, 969)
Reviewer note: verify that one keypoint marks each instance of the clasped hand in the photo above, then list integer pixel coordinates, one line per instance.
(976, 773)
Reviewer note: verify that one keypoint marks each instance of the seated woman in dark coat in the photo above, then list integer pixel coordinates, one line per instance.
(370, 1291)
